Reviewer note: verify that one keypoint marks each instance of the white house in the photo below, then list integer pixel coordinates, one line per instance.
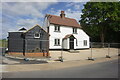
(65, 33)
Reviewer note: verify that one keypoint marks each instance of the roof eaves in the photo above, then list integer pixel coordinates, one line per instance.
(35, 26)
(66, 25)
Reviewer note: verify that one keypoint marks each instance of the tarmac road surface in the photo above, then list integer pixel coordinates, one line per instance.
(107, 69)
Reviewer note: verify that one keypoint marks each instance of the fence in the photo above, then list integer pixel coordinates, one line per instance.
(104, 50)
(95, 50)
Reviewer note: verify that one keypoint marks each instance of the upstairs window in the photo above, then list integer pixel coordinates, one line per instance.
(57, 28)
(85, 42)
(37, 35)
(57, 42)
(75, 30)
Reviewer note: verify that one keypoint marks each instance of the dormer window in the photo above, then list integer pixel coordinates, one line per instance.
(37, 35)
(74, 30)
(57, 28)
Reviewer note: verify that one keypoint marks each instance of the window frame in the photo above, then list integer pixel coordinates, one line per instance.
(85, 43)
(74, 30)
(57, 28)
(37, 36)
(56, 42)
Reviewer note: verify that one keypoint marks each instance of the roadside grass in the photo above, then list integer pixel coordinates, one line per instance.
(3, 43)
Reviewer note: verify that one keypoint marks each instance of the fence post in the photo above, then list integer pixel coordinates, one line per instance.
(118, 49)
(91, 58)
(108, 56)
(61, 59)
(118, 52)
(24, 42)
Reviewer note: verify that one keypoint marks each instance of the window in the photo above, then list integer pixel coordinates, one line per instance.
(75, 30)
(57, 42)
(85, 42)
(57, 28)
(76, 42)
(36, 35)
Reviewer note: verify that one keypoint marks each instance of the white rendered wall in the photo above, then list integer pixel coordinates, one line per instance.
(65, 31)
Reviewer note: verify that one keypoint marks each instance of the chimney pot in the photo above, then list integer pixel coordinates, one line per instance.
(62, 14)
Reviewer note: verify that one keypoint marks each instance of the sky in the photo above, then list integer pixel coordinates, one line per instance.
(16, 15)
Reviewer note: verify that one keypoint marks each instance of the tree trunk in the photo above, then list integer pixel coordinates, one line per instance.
(102, 37)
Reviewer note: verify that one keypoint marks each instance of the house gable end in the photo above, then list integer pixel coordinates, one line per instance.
(35, 30)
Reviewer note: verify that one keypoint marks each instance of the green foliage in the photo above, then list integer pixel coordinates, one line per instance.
(99, 17)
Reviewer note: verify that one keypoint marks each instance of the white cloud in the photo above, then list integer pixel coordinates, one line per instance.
(70, 4)
(23, 8)
(45, 0)
(29, 1)
(22, 13)
(0, 20)
(28, 23)
(74, 14)
(69, 13)
(77, 6)
(75, 0)
(6, 28)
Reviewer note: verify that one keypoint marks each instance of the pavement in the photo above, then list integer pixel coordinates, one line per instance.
(54, 65)
(12, 60)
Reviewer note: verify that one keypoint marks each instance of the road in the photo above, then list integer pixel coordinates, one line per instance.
(107, 69)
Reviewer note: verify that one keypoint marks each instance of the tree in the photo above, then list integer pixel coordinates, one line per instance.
(100, 17)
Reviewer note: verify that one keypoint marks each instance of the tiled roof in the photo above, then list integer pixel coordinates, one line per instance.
(63, 21)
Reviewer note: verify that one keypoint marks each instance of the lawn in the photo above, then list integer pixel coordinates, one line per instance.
(3, 43)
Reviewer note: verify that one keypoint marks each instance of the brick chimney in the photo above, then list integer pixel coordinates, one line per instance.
(62, 14)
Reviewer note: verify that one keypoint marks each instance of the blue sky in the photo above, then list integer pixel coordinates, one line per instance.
(27, 14)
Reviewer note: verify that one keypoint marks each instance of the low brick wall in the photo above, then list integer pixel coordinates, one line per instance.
(29, 54)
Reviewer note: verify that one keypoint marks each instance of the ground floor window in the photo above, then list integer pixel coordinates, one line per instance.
(57, 42)
(85, 42)
(76, 42)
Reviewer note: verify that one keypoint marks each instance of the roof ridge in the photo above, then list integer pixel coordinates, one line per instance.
(54, 19)
(59, 16)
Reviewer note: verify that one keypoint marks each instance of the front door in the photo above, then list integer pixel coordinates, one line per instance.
(71, 43)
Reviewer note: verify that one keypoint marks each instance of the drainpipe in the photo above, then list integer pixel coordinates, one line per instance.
(23, 44)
